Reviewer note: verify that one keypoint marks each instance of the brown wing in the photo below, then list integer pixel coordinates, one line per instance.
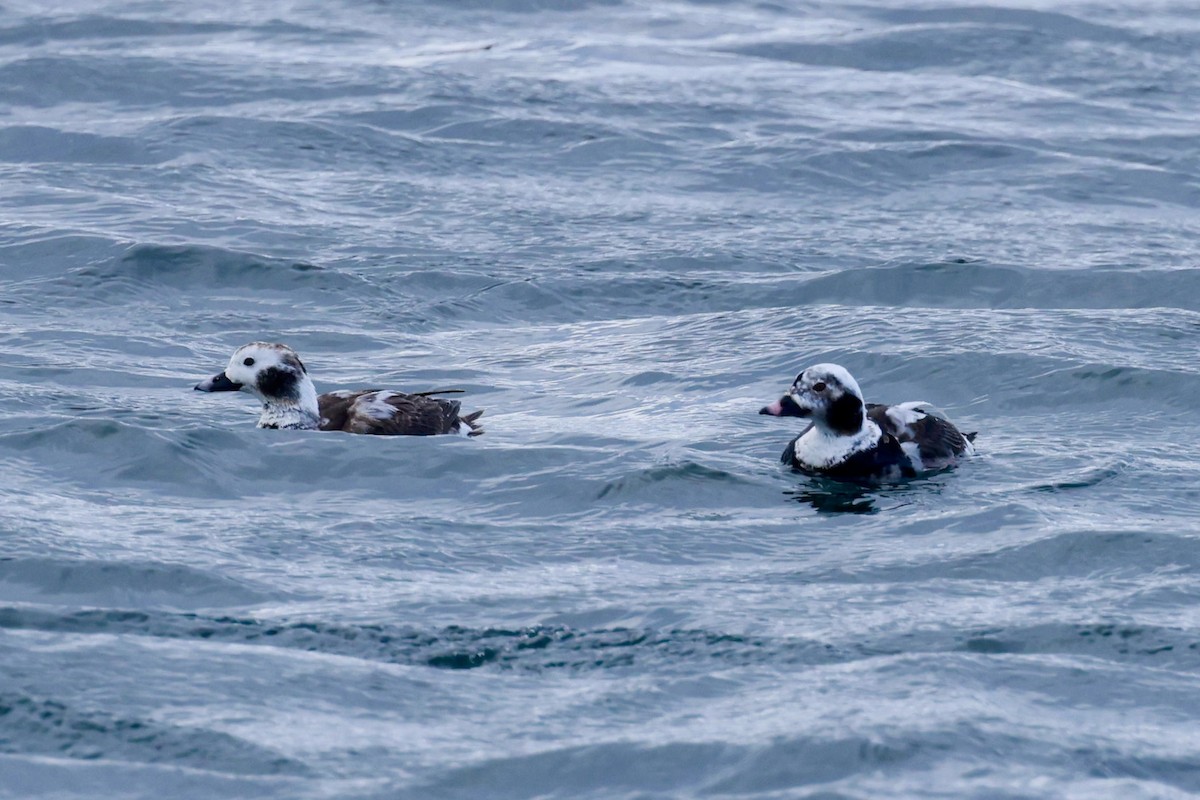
(936, 437)
(382, 413)
(410, 415)
(877, 413)
(335, 408)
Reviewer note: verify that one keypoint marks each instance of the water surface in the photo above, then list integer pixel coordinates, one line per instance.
(621, 227)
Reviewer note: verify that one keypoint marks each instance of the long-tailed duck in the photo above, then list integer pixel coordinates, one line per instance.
(275, 375)
(848, 441)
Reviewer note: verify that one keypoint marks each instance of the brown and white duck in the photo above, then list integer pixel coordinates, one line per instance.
(850, 440)
(276, 376)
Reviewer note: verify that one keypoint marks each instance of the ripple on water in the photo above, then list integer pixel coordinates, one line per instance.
(149, 584)
(550, 648)
(181, 267)
(619, 768)
(46, 727)
(622, 227)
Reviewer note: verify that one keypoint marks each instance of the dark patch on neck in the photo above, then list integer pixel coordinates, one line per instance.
(845, 415)
(292, 360)
(278, 384)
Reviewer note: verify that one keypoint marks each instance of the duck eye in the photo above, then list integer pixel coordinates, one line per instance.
(819, 386)
(249, 362)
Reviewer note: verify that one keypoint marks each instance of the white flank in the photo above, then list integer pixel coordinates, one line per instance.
(913, 451)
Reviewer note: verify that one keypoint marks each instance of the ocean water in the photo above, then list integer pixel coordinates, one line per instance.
(622, 227)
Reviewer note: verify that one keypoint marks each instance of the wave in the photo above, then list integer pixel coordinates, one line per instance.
(546, 648)
(32, 725)
(145, 584)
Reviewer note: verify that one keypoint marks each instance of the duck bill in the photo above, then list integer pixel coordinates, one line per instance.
(218, 383)
(785, 406)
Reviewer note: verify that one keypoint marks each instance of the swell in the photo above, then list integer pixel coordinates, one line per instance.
(615, 293)
(548, 648)
(638, 768)
(187, 267)
(33, 725)
(146, 584)
(898, 761)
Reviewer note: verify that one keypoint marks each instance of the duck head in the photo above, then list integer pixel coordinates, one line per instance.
(828, 395)
(276, 376)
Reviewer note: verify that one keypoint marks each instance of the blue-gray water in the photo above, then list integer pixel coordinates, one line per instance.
(621, 227)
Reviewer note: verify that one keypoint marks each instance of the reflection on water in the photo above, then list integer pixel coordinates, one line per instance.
(828, 496)
(834, 497)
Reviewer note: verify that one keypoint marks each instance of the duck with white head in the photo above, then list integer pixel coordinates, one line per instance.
(275, 375)
(848, 439)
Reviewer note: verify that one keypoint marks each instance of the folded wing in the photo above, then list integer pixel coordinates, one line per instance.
(938, 442)
(386, 413)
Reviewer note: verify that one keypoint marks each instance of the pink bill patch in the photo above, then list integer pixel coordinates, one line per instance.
(774, 409)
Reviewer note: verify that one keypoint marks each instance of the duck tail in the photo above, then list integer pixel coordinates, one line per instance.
(469, 421)
(433, 392)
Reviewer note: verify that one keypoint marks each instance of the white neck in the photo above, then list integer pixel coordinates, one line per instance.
(822, 447)
(300, 414)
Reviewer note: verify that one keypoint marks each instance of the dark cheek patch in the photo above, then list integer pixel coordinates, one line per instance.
(276, 382)
(845, 414)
